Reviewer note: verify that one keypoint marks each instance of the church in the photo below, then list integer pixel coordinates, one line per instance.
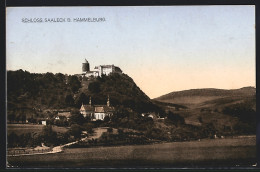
(97, 112)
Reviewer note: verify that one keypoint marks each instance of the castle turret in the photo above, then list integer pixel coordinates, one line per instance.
(85, 66)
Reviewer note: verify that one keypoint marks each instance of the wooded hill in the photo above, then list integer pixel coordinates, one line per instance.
(30, 93)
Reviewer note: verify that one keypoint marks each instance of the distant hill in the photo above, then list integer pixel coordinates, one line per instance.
(229, 111)
(200, 96)
(209, 92)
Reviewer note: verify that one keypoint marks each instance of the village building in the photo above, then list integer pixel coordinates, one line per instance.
(44, 122)
(97, 112)
(61, 115)
(99, 70)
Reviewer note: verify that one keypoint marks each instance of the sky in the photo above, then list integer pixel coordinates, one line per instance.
(163, 48)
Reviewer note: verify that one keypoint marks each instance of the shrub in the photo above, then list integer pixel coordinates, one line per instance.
(110, 130)
(88, 127)
(75, 130)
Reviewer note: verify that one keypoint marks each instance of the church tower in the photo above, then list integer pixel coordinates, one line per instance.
(108, 103)
(90, 101)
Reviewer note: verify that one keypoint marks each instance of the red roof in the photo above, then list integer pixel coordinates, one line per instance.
(66, 114)
(88, 108)
(97, 108)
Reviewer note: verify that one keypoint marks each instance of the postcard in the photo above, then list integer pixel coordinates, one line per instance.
(131, 87)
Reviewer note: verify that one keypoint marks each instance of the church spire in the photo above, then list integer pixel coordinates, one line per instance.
(108, 103)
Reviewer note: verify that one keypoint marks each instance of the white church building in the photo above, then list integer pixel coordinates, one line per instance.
(97, 112)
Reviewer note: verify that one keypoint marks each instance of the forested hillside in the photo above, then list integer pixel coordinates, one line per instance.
(31, 94)
(121, 90)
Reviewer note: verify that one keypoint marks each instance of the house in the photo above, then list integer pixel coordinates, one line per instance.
(97, 112)
(62, 115)
(149, 115)
(44, 122)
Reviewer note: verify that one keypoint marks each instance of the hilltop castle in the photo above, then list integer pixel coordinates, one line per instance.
(99, 70)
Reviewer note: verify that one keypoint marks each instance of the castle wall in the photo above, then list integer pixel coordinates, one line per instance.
(99, 70)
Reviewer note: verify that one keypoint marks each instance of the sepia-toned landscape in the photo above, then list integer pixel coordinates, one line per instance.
(122, 98)
(179, 129)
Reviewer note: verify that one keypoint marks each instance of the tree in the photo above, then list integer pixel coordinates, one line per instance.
(81, 99)
(75, 130)
(49, 136)
(69, 100)
(94, 87)
(88, 127)
(60, 77)
(106, 119)
(13, 140)
(208, 130)
(49, 77)
(74, 83)
(77, 118)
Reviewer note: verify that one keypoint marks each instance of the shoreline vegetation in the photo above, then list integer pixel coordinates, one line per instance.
(229, 152)
(109, 137)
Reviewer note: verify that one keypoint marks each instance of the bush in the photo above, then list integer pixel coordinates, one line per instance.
(49, 136)
(75, 130)
(110, 130)
(77, 118)
(88, 127)
(174, 119)
(12, 140)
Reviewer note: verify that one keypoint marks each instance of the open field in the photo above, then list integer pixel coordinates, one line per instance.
(31, 128)
(229, 152)
(191, 100)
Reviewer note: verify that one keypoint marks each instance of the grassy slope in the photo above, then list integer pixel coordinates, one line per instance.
(207, 104)
(31, 128)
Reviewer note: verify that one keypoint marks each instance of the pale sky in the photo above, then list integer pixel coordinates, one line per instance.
(163, 49)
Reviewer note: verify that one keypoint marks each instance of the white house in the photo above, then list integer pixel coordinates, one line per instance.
(97, 112)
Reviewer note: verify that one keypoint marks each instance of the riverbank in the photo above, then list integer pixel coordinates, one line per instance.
(227, 152)
(57, 149)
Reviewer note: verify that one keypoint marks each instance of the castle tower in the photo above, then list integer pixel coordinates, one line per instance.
(85, 66)
(108, 103)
